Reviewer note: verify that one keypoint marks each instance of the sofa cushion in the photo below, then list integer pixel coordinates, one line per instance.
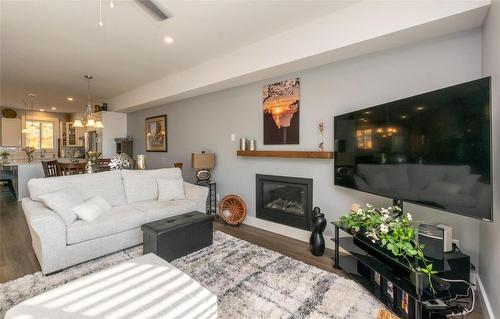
(108, 185)
(141, 185)
(117, 220)
(62, 203)
(170, 189)
(92, 208)
(155, 210)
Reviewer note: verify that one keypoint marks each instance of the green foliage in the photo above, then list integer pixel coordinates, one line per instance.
(391, 230)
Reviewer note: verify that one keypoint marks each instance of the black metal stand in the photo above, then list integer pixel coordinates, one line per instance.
(391, 280)
(337, 252)
(212, 196)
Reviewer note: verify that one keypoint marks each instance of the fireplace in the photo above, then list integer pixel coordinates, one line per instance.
(284, 200)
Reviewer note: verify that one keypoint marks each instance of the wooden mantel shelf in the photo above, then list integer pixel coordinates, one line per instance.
(289, 154)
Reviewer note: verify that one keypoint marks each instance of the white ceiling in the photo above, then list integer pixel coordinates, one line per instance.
(47, 46)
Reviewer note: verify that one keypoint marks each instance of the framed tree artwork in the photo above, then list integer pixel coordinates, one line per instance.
(281, 112)
(156, 134)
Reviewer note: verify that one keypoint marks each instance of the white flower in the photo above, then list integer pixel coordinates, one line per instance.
(368, 205)
(396, 208)
(384, 229)
(384, 210)
(408, 215)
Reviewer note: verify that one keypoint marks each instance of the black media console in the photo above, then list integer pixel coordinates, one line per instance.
(390, 279)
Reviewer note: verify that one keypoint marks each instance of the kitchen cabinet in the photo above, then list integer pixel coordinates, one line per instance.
(11, 132)
(70, 136)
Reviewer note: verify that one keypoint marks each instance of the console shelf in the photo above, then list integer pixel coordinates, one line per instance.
(288, 154)
(390, 279)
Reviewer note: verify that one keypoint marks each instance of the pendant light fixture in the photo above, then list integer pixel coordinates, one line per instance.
(31, 129)
(89, 116)
(25, 130)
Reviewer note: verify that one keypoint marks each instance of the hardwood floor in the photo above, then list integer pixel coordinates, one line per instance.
(17, 257)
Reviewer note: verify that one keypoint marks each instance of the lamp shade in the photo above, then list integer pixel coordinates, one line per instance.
(203, 160)
(77, 123)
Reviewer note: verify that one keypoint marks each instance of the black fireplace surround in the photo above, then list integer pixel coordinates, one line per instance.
(284, 200)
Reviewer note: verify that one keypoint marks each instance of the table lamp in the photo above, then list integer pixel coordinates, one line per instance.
(203, 162)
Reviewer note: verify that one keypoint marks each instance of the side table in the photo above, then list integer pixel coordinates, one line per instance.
(212, 196)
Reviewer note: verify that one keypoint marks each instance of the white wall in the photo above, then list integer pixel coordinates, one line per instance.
(115, 126)
(206, 122)
(490, 232)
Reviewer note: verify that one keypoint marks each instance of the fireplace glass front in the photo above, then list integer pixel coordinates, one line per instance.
(283, 199)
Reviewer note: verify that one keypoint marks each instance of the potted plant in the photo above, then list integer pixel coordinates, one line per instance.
(4, 156)
(390, 230)
(29, 150)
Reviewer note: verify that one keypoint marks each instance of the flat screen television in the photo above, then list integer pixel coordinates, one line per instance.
(432, 149)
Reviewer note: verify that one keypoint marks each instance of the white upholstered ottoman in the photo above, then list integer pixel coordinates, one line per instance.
(145, 287)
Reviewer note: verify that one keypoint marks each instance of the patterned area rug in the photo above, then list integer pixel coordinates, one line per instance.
(249, 281)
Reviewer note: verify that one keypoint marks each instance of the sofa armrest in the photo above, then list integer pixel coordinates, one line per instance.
(198, 194)
(48, 231)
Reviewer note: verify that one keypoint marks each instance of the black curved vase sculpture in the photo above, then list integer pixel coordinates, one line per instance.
(317, 241)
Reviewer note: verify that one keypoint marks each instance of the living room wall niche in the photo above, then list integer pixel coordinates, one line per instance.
(207, 122)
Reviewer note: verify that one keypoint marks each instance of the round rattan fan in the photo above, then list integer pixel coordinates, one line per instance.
(232, 209)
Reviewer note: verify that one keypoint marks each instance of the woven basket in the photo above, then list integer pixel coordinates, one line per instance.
(232, 209)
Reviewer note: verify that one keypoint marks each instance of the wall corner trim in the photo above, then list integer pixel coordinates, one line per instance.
(483, 299)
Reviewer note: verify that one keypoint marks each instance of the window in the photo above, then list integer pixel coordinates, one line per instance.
(364, 139)
(42, 135)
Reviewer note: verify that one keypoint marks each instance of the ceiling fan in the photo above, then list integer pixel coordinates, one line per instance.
(152, 8)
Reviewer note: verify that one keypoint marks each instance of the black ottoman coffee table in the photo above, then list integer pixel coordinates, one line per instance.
(177, 236)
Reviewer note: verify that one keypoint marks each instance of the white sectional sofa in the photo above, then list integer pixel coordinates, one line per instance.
(133, 196)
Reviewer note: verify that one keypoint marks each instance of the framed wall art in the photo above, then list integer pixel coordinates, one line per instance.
(281, 112)
(156, 134)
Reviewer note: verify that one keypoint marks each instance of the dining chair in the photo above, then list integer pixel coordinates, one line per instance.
(50, 168)
(103, 164)
(70, 168)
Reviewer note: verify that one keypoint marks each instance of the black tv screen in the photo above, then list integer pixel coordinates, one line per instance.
(432, 149)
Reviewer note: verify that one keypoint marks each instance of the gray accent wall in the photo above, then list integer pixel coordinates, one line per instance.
(207, 122)
(490, 232)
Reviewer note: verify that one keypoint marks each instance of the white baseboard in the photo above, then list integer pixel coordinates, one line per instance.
(292, 232)
(483, 299)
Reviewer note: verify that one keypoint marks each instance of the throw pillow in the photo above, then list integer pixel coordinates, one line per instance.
(91, 209)
(62, 203)
(466, 181)
(170, 189)
(444, 188)
(378, 180)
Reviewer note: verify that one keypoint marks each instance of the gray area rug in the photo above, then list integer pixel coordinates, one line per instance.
(249, 281)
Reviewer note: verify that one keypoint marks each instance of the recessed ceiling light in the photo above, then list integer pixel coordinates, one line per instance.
(69, 98)
(53, 108)
(403, 116)
(420, 108)
(367, 112)
(42, 110)
(169, 40)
